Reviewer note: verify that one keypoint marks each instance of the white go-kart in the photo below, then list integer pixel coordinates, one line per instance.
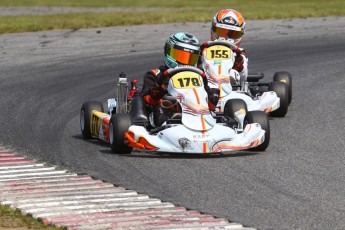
(192, 128)
(273, 98)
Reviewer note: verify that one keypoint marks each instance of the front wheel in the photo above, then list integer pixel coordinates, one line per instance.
(261, 118)
(285, 77)
(236, 109)
(281, 89)
(85, 116)
(119, 124)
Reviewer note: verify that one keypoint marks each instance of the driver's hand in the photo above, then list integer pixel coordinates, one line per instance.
(213, 97)
(238, 65)
(164, 86)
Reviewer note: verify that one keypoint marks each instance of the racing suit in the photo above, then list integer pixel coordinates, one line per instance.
(240, 64)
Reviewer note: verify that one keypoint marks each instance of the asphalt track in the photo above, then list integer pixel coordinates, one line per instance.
(298, 183)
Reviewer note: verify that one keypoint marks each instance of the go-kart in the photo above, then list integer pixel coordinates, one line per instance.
(191, 129)
(217, 61)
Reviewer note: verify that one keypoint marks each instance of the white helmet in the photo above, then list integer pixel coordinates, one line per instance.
(228, 24)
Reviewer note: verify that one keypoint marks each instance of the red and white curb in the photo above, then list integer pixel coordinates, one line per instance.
(65, 199)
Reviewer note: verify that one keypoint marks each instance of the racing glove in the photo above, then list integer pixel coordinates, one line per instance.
(213, 98)
(238, 65)
(155, 96)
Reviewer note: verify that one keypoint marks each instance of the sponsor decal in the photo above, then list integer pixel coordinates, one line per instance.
(230, 27)
(184, 143)
(230, 20)
(189, 50)
(200, 136)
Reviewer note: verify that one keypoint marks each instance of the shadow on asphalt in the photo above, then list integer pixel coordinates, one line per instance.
(139, 154)
(143, 154)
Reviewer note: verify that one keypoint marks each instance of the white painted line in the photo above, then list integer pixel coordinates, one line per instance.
(100, 205)
(38, 177)
(6, 167)
(45, 180)
(15, 188)
(170, 217)
(58, 188)
(102, 200)
(18, 196)
(55, 172)
(109, 215)
(99, 210)
(155, 223)
(21, 170)
(71, 197)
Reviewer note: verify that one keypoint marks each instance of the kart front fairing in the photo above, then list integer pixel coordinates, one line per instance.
(199, 132)
(180, 139)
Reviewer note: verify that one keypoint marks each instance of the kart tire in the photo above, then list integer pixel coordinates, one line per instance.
(261, 118)
(85, 116)
(284, 76)
(119, 124)
(281, 89)
(234, 105)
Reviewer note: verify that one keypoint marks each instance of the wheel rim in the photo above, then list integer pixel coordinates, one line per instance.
(82, 120)
(111, 134)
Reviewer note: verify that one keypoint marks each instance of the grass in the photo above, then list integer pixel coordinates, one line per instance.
(189, 11)
(13, 219)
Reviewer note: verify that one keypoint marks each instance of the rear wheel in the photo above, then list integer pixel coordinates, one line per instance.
(261, 118)
(285, 77)
(119, 124)
(281, 90)
(85, 116)
(234, 108)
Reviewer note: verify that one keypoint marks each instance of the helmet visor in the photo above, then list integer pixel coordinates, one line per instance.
(226, 33)
(184, 57)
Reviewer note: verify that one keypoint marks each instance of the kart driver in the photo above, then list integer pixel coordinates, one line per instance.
(229, 25)
(181, 49)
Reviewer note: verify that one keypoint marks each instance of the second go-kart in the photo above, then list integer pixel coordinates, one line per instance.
(191, 129)
(272, 98)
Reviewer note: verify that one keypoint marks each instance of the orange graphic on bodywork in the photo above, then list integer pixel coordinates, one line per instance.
(141, 143)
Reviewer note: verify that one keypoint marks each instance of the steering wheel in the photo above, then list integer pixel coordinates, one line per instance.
(228, 44)
(173, 71)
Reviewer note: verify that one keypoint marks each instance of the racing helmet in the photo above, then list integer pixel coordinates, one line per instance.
(228, 24)
(181, 49)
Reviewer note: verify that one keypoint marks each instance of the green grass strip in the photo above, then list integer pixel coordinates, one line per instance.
(257, 5)
(13, 219)
(22, 23)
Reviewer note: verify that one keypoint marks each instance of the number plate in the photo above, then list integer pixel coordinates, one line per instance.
(186, 80)
(218, 53)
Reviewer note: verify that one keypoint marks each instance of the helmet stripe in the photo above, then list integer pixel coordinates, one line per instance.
(240, 18)
(221, 14)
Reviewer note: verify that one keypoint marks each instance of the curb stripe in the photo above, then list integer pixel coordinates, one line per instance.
(157, 212)
(11, 158)
(17, 162)
(20, 166)
(72, 201)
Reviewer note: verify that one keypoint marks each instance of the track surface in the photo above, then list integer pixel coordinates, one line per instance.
(298, 183)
